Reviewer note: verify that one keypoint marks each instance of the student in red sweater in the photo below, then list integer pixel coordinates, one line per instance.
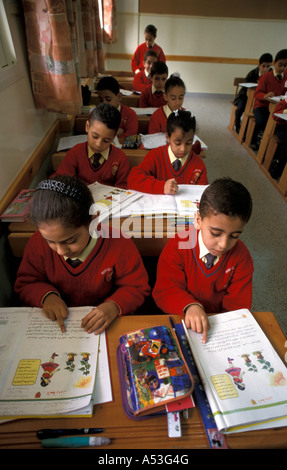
(174, 91)
(143, 78)
(150, 34)
(153, 95)
(163, 168)
(67, 263)
(97, 159)
(191, 285)
(108, 89)
(272, 83)
(280, 158)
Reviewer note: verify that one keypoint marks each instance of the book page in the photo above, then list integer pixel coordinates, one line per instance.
(245, 379)
(45, 371)
(188, 197)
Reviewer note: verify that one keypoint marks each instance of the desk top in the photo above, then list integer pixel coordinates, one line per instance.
(150, 433)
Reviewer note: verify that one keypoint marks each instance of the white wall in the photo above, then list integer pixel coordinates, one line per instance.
(199, 36)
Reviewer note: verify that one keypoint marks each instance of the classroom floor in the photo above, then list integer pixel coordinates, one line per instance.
(266, 233)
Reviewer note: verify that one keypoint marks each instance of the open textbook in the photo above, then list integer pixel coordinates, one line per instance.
(44, 372)
(184, 203)
(244, 379)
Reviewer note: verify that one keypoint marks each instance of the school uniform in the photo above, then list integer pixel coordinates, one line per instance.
(157, 123)
(183, 279)
(106, 273)
(139, 54)
(151, 98)
(267, 83)
(280, 158)
(129, 121)
(156, 168)
(141, 81)
(113, 166)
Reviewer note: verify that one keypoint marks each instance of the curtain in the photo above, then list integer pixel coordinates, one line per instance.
(110, 21)
(65, 43)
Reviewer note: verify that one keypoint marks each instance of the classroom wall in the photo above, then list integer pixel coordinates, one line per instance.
(208, 52)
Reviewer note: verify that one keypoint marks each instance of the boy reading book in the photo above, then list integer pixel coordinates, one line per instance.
(207, 269)
(98, 159)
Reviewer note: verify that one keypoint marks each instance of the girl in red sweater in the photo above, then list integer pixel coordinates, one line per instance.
(163, 168)
(188, 282)
(67, 263)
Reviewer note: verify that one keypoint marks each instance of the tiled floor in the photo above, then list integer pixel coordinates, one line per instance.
(266, 233)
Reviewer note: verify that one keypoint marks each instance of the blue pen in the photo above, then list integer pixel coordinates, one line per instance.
(49, 433)
(79, 441)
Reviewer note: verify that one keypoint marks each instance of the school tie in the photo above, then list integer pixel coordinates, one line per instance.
(176, 165)
(74, 262)
(209, 260)
(96, 160)
(280, 77)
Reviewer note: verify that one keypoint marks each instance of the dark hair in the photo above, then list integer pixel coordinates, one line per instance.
(150, 53)
(281, 55)
(159, 67)
(109, 83)
(225, 196)
(185, 120)
(265, 58)
(151, 29)
(108, 115)
(64, 198)
(172, 81)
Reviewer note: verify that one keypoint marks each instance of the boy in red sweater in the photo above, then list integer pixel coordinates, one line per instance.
(97, 159)
(143, 78)
(174, 91)
(150, 34)
(188, 282)
(153, 95)
(272, 83)
(108, 90)
(163, 168)
(68, 264)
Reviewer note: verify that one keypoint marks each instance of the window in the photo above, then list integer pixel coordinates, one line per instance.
(10, 69)
(7, 52)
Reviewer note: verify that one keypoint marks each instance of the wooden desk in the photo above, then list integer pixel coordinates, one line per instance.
(246, 114)
(150, 433)
(149, 235)
(268, 132)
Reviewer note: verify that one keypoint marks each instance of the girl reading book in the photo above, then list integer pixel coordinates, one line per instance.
(64, 265)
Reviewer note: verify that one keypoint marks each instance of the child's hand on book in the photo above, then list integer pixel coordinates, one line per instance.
(170, 187)
(100, 317)
(196, 319)
(55, 309)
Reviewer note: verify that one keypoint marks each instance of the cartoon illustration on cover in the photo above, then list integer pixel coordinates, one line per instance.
(155, 371)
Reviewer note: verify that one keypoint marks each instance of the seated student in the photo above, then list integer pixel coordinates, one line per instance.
(273, 83)
(108, 90)
(163, 168)
(265, 62)
(188, 282)
(174, 96)
(280, 158)
(150, 34)
(143, 78)
(153, 95)
(97, 159)
(64, 266)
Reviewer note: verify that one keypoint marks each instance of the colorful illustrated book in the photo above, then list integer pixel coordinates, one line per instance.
(153, 371)
(44, 372)
(244, 378)
(110, 200)
(18, 209)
